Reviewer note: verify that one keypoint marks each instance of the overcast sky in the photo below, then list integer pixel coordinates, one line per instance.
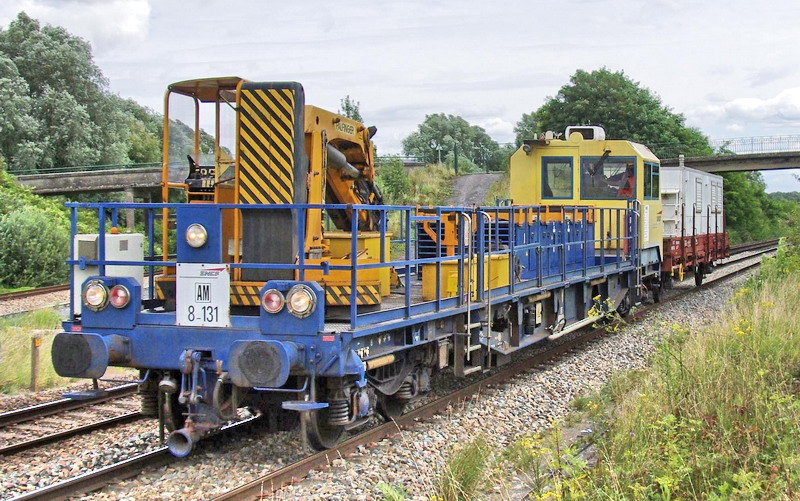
(732, 68)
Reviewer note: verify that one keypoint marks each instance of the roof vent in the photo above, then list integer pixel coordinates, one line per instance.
(589, 132)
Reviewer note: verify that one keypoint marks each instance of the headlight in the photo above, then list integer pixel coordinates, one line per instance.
(196, 235)
(272, 301)
(120, 296)
(95, 295)
(301, 301)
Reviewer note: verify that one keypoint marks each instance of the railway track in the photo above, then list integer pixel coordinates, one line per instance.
(764, 245)
(33, 292)
(41, 424)
(292, 473)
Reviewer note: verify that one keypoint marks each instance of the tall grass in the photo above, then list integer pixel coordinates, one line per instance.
(717, 416)
(15, 350)
(465, 472)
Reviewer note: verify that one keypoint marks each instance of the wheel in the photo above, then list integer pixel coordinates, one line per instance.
(698, 277)
(319, 433)
(389, 407)
(656, 293)
(624, 307)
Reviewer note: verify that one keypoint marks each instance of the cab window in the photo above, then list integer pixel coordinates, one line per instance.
(556, 177)
(652, 188)
(607, 178)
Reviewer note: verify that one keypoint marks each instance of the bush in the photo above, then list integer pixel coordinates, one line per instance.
(33, 247)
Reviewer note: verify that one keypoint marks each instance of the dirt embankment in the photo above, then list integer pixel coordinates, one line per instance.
(472, 188)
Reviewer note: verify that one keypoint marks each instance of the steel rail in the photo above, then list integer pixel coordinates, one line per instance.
(290, 474)
(747, 246)
(62, 435)
(102, 477)
(33, 292)
(65, 404)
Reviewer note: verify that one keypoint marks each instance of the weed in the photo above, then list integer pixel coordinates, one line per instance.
(391, 493)
(464, 473)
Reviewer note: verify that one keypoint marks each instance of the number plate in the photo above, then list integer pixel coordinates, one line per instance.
(203, 295)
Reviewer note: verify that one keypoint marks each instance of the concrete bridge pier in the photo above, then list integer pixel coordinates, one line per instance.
(129, 215)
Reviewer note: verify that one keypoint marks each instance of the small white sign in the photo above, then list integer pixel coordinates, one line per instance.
(203, 295)
(646, 224)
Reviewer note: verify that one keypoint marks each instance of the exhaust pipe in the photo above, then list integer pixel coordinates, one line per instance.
(181, 442)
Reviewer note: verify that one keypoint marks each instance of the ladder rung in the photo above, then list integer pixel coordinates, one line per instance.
(470, 370)
(474, 347)
(475, 325)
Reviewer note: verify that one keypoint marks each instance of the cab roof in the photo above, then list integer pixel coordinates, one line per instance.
(205, 89)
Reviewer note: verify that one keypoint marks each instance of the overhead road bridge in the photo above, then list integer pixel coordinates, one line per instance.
(99, 178)
(739, 154)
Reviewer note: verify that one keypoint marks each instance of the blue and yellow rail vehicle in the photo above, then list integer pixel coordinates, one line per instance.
(282, 283)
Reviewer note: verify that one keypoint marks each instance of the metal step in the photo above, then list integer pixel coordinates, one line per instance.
(469, 370)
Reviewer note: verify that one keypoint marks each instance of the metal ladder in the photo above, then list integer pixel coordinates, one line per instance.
(464, 363)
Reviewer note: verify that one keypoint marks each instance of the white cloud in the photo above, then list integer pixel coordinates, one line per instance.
(783, 107)
(734, 127)
(105, 23)
(499, 129)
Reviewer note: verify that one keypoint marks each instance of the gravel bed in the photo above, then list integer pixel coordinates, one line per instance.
(30, 303)
(48, 425)
(28, 398)
(28, 470)
(531, 403)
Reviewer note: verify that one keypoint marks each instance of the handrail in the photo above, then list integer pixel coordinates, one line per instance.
(550, 258)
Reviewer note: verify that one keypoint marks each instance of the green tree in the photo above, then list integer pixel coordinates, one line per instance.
(624, 108)
(18, 129)
(56, 105)
(750, 213)
(68, 131)
(441, 133)
(526, 128)
(350, 109)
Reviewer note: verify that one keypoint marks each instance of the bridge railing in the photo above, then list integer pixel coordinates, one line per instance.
(90, 168)
(733, 146)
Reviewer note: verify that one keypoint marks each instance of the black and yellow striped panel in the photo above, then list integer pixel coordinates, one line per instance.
(245, 295)
(267, 145)
(339, 295)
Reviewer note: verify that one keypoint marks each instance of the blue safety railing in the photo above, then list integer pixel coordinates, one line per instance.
(543, 250)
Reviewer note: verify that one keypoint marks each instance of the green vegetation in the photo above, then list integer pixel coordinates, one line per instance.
(465, 472)
(624, 108)
(56, 106)
(437, 137)
(499, 190)
(428, 185)
(350, 108)
(32, 247)
(15, 350)
(752, 214)
(716, 418)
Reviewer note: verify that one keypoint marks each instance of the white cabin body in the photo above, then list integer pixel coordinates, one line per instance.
(695, 194)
